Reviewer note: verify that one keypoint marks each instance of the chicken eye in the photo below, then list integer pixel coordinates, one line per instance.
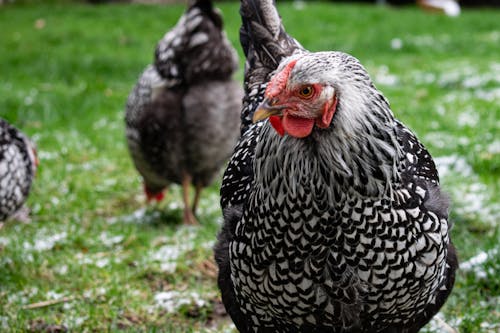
(306, 91)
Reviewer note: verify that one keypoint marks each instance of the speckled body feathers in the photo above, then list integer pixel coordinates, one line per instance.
(182, 116)
(345, 230)
(17, 169)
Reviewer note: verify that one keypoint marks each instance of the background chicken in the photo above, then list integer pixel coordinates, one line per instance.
(334, 219)
(182, 116)
(17, 169)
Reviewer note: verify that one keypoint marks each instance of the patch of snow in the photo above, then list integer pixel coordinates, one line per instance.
(45, 242)
(167, 255)
(471, 196)
(494, 147)
(47, 155)
(139, 216)
(419, 77)
(17, 298)
(299, 4)
(172, 300)
(396, 44)
(108, 240)
(78, 321)
(55, 201)
(83, 259)
(476, 264)
(479, 259)
(168, 267)
(453, 163)
(96, 259)
(382, 76)
(103, 262)
(489, 326)
(208, 244)
(467, 118)
(227, 328)
(32, 292)
(101, 123)
(174, 205)
(87, 293)
(488, 95)
(438, 325)
(423, 40)
(68, 306)
(4, 323)
(62, 270)
(4, 241)
(210, 205)
(51, 294)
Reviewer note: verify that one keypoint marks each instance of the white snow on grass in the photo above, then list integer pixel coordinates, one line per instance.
(44, 242)
(382, 76)
(439, 325)
(4, 241)
(61, 270)
(396, 44)
(476, 264)
(110, 241)
(100, 260)
(471, 197)
(173, 300)
(101, 263)
(142, 215)
(445, 140)
(4, 323)
(209, 204)
(468, 119)
(47, 155)
(447, 165)
(494, 147)
(299, 4)
(167, 255)
(53, 295)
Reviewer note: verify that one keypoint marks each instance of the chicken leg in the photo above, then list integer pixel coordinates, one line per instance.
(197, 195)
(189, 218)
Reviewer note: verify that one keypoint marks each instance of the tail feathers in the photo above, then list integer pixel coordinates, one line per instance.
(208, 8)
(262, 35)
(200, 3)
(265, 43)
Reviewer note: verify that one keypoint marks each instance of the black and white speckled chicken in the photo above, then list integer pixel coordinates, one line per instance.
(18, 164)
(182, 117)
(334, 220)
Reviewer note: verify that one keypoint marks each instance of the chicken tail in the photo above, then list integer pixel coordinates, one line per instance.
(265, 43)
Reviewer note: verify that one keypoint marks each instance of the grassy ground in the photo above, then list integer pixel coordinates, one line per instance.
(105, 262)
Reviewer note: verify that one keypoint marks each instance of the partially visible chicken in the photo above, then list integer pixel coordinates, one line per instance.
(18, 165)
(334, 220)
(182, 117)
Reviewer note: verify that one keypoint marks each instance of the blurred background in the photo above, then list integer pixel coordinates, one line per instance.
(93, 256)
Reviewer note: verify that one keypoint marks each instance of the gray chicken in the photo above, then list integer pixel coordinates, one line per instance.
(182, 117)
(334, 220)
(18, 163)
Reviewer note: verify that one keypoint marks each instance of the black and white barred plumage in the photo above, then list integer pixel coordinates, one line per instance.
(182, 117)
(345, 230)
(17, 169)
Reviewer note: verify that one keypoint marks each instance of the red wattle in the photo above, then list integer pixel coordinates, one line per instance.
(277, 124)
(328, 111)
(298, 127)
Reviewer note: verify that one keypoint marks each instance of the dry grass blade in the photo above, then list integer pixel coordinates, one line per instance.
(51, 302)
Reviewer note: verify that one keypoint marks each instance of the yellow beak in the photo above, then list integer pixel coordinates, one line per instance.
(265, 110)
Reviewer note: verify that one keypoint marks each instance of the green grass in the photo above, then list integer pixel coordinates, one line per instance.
(91, 237)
